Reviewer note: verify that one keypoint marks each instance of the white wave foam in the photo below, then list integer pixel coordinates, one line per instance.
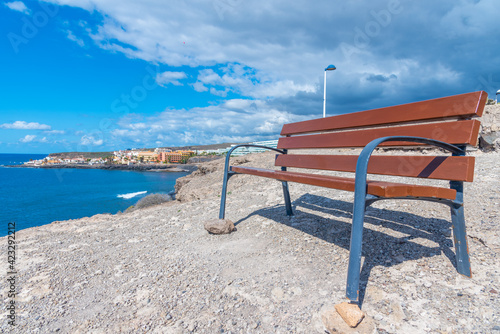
(130, 195)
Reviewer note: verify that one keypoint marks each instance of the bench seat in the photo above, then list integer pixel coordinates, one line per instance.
(376, 188)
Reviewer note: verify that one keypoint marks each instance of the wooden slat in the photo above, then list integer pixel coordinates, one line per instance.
(463, 105)
(432, 167)
(459, 132)
(377, 188)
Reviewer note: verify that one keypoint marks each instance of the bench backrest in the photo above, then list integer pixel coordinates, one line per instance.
(449, 119)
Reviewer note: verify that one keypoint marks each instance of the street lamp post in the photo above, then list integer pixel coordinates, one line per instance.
(329, 68)
(496, 96)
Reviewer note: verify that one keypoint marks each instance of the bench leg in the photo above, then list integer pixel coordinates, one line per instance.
(222, 211)
(460, 241)
(353, 272)
(286, 194)
(459, 232)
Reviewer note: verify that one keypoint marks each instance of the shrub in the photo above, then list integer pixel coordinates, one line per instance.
(150, 200)
(130, 209)
(153, 199)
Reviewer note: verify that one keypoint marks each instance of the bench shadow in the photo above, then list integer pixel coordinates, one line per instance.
(379, 249)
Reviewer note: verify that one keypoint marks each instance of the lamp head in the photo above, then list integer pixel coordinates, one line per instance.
(330, 68)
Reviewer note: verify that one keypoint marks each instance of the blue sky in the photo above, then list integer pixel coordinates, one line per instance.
(85, 75)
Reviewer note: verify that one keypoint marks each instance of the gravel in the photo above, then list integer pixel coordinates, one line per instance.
(157, 270)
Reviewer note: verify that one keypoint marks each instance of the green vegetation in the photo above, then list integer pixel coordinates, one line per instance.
(85, 155)
(150, 200)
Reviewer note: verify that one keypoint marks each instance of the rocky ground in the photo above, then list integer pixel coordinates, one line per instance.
(157, 270)
(489, 138)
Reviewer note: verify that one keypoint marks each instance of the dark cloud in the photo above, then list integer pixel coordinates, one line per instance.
(381, 78)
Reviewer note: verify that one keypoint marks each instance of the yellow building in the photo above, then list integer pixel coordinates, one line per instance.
(147, 156)
(175, 157)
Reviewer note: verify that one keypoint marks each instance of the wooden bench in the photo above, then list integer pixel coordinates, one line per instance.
(447, 123)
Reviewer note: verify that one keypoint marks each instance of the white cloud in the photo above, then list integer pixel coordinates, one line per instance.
(281, 51)
(245, 81)
(222, 93)
(71, 36)
(173, 78)
(137, 126)
(90, 140)
(234, 121)
(18, 6)
(22, 125)
(199, 87)
(184, 33)
(27, 138)
(239, 104)
(55, 132)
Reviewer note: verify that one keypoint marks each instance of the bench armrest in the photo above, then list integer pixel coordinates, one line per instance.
(227, 175)
(253, 145)
(364, 157)
(228, 155)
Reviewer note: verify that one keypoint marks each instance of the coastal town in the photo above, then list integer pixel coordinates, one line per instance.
(121, 157)
(134, 156)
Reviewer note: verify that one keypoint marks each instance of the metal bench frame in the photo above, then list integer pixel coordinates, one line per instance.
(362, 200)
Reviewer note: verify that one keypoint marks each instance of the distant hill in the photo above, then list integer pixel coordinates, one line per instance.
(85, 155)
(91, 155)
(202, 147)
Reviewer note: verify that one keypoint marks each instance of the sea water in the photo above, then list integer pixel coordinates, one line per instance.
(37, 196)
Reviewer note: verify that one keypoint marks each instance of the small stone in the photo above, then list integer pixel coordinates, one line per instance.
(333, 323)
(487, 141)
(446, 232)
(191, 327)
(399, 258)
(350, 312)
(278, 294)
(219, 226)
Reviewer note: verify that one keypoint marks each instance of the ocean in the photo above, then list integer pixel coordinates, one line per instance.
(36, 196)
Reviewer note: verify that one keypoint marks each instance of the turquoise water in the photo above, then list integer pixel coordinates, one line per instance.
(36, 196)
